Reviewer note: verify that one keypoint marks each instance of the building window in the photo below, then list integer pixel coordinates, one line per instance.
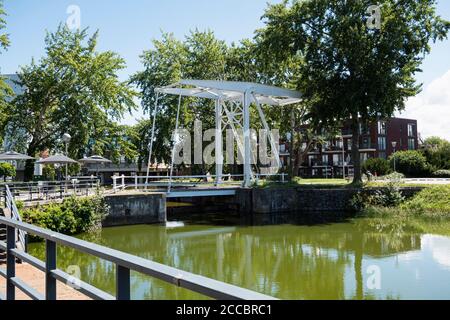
(411, 130)
(382, 144)
(382, 128)
(325, 160)
(412, 144)
(382, 155)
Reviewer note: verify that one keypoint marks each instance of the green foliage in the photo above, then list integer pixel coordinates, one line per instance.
(72, 89)
(377, 166)
(394, 176)
(4, 40)
(410, 163)
(437, 152)
(431, 202)
(442, 174)
(7, 170)
(49, 173)
(5, 90)
(388, 197)
(200, 55)
(349, 71)
(73, 216)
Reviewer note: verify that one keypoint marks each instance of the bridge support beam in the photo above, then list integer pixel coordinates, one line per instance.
(219, 142)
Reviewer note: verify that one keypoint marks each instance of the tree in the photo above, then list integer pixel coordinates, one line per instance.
(5, 90)
(199, 56)
(348, 69)
(410, 163)
(113, 141)
(7, 170)
(72, 89)
(377, 166)
(437, 152)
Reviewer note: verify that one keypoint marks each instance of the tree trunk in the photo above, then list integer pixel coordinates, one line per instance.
(29, 165)
(292, 149)
(355, 151)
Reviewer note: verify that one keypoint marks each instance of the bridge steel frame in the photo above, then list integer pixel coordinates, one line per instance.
(241, 95)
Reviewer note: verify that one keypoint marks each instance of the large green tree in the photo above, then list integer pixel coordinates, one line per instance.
(5, 90)
(72, 89)
(351, 70)
(199, 56)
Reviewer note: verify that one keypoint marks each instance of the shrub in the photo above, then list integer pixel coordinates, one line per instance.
(410, 163)
(73, 216)
(377, 166)
(394, 176)
(7, 170)
(389, 196)
(431, 202)
(442, 174)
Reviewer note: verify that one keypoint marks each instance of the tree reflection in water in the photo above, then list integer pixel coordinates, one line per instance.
(287, 258)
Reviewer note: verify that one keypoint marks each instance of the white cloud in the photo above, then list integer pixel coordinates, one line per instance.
(432, 108)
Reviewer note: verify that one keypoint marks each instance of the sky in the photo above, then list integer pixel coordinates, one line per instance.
(127, 27)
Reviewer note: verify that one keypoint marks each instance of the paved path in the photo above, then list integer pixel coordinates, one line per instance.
(35, 279)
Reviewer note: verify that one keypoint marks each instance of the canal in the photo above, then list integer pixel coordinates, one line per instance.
(283, 257)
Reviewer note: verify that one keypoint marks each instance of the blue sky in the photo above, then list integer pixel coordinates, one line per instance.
(127, 27)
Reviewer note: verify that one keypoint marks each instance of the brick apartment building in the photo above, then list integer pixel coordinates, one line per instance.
(377, 141)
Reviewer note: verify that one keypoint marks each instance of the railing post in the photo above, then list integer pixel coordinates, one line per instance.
(114, 183)
(10, 263)
(123, 181)
(123, 285)
(136, 182)
(50, 281)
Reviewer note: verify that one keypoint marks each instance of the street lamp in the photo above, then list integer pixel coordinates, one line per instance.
(66, 139)
(394, 146)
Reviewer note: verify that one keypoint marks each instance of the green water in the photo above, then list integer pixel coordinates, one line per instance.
(358, 259)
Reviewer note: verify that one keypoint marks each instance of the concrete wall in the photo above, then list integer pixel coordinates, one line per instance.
(138, 208)
(264, 201)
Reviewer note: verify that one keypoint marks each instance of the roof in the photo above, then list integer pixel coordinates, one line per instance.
(233, 91)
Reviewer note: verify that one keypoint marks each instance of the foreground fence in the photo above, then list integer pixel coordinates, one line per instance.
(125, 263)
(51, 190)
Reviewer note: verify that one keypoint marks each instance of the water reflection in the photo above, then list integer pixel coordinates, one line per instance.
(283, 257)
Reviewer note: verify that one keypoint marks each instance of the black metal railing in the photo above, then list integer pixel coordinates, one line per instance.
(124, 264)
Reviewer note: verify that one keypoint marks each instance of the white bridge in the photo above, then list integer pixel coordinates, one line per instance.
(189, 186)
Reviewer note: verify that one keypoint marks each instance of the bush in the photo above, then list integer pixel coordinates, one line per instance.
(431, 202)
(410, 163)
(377, 166)
(394, 176)
(7, 170)
(442, 174)
(388, 197)
(73, 216)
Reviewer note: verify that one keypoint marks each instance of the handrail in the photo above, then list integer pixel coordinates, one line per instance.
(119, 182)
(124, 264)
(15, 215)
(51, 189)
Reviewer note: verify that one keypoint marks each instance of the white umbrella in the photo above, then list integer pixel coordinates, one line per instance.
(58, 159)
(95, 160)
(14, 156)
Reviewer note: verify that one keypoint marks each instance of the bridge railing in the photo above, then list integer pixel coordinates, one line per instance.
(125, 263)
(124, 182)
(10, 204)
(51, 190)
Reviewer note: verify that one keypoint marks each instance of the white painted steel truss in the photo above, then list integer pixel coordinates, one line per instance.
(232, 110)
